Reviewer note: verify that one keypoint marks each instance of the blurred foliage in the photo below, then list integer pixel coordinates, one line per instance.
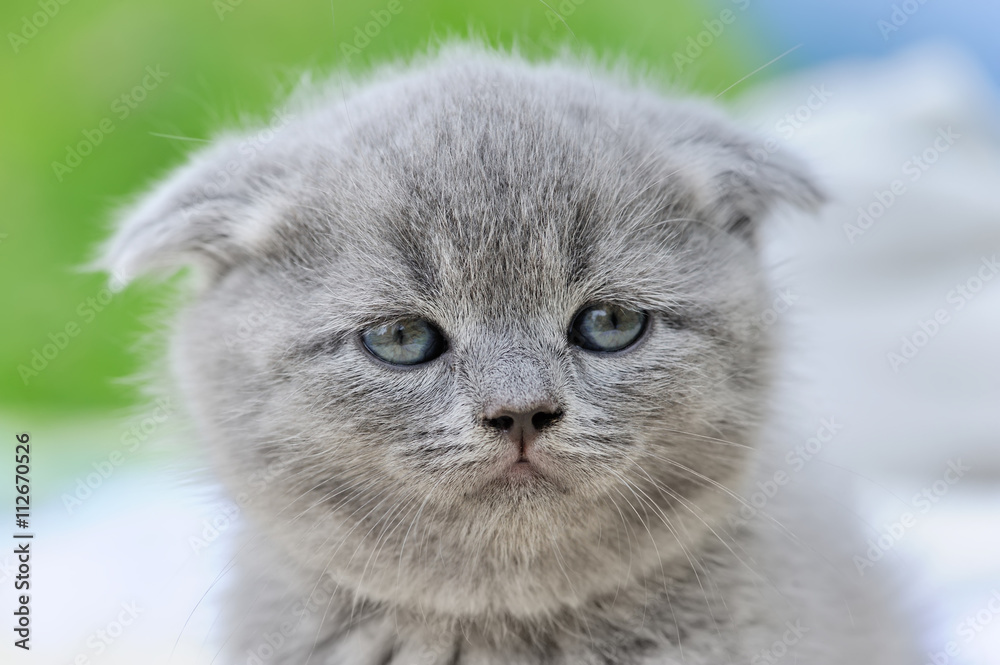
(218, 60)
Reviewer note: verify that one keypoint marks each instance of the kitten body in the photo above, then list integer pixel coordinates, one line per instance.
(496, 199)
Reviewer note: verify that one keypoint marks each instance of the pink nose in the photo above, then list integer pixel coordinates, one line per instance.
(522, 427)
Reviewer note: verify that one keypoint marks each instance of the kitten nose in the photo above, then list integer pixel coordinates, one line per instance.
(522, 427)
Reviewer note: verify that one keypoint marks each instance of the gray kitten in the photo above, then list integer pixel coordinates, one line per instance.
(499, 387)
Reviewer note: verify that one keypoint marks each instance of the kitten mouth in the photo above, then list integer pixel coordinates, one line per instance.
(522, 470)
(522, 466)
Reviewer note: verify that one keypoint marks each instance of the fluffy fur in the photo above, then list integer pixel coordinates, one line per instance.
(496, 198)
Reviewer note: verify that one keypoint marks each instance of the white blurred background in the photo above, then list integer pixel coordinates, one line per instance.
(896, 325)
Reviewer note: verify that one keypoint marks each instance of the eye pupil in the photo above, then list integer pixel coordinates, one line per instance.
(407, 342)
(607, 327)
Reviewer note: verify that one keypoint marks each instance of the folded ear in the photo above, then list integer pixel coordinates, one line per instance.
(750, 191)
(211, 213)
(739, 179)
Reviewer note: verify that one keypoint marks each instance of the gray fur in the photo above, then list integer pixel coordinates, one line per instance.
(496, 198)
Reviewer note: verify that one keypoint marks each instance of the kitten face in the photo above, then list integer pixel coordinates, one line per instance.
(489, 202)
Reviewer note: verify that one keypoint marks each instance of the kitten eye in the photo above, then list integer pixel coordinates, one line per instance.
(606, 327)
(406, 342)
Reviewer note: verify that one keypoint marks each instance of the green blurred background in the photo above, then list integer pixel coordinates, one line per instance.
(64, 70)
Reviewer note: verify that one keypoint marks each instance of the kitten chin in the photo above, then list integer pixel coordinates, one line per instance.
(478, 338)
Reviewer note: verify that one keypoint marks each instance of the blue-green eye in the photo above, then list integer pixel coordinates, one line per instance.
(606, 327)
(406, 342)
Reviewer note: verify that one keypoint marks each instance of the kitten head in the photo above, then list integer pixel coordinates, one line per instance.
(476, 336)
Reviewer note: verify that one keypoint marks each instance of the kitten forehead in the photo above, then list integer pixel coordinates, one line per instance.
(520, 253)
(487, 193)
